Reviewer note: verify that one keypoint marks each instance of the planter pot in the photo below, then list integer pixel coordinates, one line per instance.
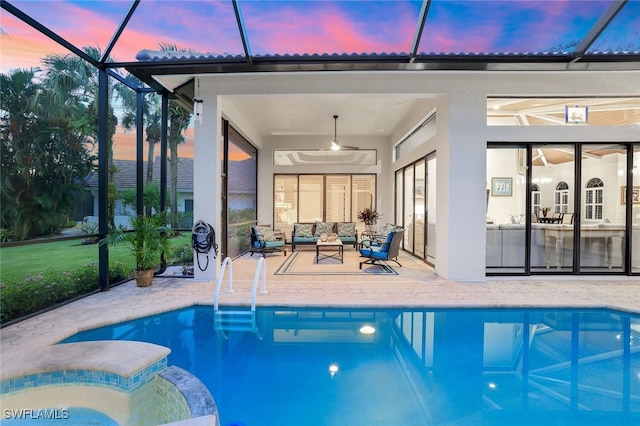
(143, 278)
(370, 228)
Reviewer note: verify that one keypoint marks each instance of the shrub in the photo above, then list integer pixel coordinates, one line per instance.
(182, 255)
(38, 292)
(185, 220)
(7, 235)
(89, 228)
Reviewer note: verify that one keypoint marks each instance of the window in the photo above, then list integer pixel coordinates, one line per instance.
(562, 198)
(535, 199)
(425, 131)
(593, 199)
(239, 196)
(310, 198)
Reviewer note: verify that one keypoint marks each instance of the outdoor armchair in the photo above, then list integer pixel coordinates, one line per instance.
(377, 253)
(265, 240)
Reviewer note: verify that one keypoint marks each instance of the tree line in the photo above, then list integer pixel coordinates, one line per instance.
(48, 141)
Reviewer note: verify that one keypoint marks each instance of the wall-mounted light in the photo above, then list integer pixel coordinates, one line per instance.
(197, 109)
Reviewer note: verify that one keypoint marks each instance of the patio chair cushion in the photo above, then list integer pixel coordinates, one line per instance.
(265, 237)
(346, 229)
(374, 252)
(386, 229)
(271, 244)
(304, 230)
(264, 233)
(323, 228)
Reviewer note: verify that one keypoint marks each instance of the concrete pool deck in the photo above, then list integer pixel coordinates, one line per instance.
(27, 347)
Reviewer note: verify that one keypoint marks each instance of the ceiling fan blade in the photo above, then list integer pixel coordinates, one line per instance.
(335, 144)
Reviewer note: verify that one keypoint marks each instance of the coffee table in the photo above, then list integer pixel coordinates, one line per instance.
(331, 249)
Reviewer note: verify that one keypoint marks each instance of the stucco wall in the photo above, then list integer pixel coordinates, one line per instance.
(460, 143)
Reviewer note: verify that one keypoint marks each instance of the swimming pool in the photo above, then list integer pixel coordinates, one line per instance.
(406, 367)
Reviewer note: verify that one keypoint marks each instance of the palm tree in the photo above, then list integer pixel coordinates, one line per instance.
(152, 117)
(152, 112)
(179, 120)
(70, 78)
(44, 155)
(178, 123)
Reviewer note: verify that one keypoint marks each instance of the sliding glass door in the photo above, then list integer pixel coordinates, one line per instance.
(431, 209)
(577, 202)
(552, 234)
(634, 208)
(506, 209)
(603, 215)
(239, 199)
(415, 207)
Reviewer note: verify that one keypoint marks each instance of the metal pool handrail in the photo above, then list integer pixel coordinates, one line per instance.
(260, 267)
(225, 262)
(261, 272)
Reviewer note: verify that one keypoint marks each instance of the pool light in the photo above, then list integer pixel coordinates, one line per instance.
(367, 329)
(333, 369)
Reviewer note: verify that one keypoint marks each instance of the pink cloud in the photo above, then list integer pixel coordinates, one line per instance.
(330, 28)
(124, 145)
(24, 47)
(514, 26)
(205, 27)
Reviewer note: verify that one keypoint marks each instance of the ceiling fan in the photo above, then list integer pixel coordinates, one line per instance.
(335, 145)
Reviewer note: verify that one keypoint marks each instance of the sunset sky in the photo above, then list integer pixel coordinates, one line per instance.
(313, 27)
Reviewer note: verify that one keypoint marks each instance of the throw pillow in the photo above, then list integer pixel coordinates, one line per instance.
(324, 228)
(346, 229)
(387, 228)
(264, 234)
(303, 230)
(267, 235)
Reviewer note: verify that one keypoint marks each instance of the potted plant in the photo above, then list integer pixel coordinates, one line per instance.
(148, 239)
(369, 216)
(545, 211)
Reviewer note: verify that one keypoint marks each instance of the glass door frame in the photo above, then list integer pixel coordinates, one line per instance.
(577, 192)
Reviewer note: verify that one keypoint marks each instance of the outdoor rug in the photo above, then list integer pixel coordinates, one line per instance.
(304, 263)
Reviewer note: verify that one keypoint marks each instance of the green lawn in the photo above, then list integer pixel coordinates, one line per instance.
(18, 262)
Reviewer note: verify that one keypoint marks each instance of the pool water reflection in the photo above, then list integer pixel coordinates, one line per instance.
(418, 367)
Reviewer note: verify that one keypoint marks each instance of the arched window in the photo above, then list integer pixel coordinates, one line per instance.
(535, 198)
(594, 193)
(561, 198)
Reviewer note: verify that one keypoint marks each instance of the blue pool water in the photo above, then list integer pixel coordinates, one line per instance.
(419, 367)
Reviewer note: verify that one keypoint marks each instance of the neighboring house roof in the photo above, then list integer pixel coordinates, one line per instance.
(125, 176)
(242, 173)
(242, 176)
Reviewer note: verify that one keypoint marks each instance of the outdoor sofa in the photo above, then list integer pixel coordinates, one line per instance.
(309, 233)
